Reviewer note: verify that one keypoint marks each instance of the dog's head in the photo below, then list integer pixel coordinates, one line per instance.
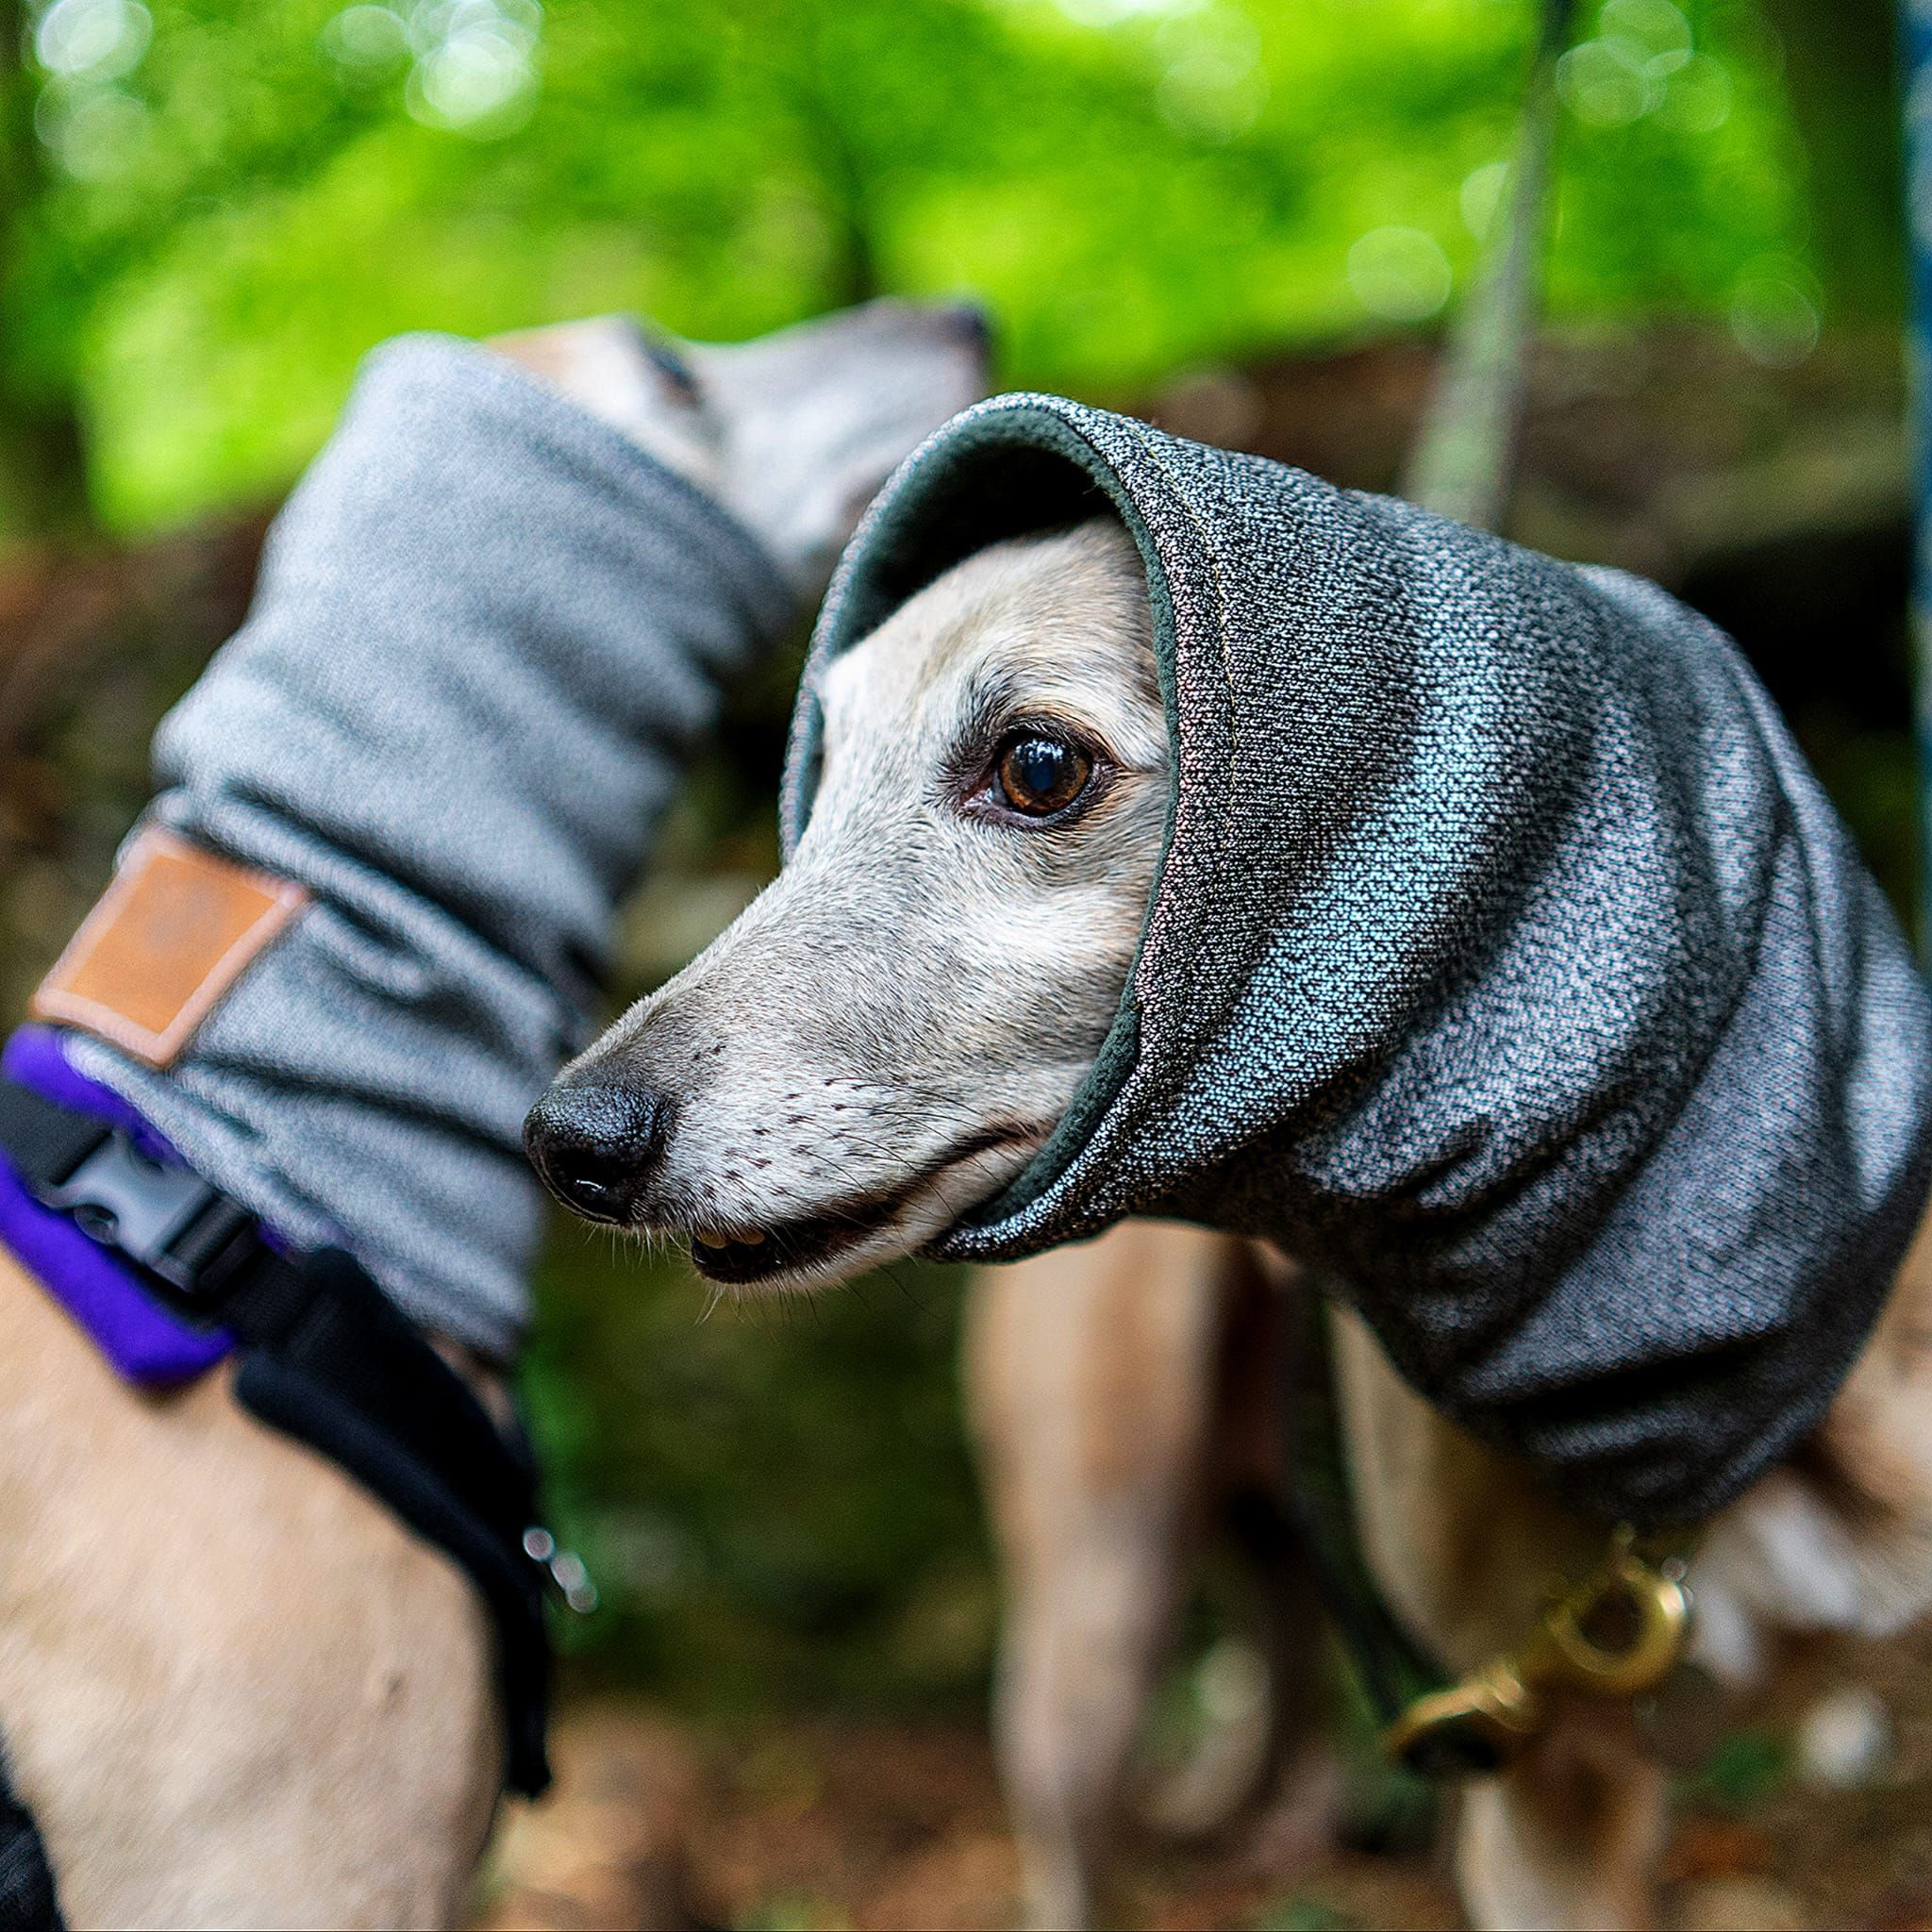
(895, 1025)
(794, 432)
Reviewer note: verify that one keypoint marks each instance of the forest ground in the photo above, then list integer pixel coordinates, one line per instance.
(803, 1827)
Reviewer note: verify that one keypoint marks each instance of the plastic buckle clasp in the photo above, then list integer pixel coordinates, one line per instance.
(134, 1205)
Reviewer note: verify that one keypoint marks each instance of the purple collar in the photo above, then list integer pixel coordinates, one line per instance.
(143, 1342)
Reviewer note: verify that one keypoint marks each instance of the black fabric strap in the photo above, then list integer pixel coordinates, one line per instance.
(44, 1141)
(324, 1357)
(1392, 1668)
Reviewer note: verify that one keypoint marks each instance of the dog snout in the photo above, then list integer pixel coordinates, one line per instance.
(596, 1147)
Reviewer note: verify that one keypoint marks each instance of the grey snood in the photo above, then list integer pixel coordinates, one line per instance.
(487, 632)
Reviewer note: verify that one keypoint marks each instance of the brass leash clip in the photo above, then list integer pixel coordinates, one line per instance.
(1617, 1634)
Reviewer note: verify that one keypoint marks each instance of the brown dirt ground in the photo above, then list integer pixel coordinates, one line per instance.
(817, 1825)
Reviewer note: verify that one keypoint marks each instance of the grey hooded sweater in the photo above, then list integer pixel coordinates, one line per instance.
(487, 630)
(1505, 960)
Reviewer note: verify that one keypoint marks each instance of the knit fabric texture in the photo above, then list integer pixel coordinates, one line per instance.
(1507, 963)
(486, 631)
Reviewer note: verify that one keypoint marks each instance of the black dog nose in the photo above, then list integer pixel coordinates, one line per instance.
(595, 1146)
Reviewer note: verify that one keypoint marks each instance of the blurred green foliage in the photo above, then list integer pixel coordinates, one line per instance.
(213, 207)
(775, 1501)
(1744, 1770)
(1299, 1914)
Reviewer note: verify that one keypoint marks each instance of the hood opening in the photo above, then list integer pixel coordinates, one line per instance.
(1011, 468)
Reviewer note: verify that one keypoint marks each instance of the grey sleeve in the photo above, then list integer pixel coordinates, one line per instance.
(486, 631)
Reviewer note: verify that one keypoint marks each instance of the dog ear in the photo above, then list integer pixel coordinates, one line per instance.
(815, 418)
(794, 432)
(632, 379)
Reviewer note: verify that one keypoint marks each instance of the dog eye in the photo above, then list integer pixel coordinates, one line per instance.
(1040, 775)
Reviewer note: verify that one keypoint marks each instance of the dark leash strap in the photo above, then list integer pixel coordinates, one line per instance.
(324, 1357)
(1619, 1633)
(1392, 1669)
(1462, 462)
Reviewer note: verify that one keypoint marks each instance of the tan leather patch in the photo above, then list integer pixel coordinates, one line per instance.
(173, 933)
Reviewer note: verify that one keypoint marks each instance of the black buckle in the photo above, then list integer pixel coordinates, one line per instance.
(167, 1220)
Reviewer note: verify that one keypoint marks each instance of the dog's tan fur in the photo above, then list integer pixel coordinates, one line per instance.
(236, 1691)
(1090, 1517)
(1462, 1541)
(918, 972)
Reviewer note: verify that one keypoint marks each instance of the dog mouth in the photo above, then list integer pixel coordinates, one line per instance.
(792, 1247)
(745, 1257)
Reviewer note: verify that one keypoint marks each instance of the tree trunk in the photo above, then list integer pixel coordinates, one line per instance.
(1918, 43)
(1841, 67)
(42, 450)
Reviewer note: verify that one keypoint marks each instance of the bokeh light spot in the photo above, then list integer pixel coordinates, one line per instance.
(1481, 196)
(96, 133)
(1213, 87)
(1607, 83)
(101, 39)
(367, 37)
(475, 66)
(1117, 13)
(1656, 29)
(1697, 98)
(1400, 275)
(1774, 319)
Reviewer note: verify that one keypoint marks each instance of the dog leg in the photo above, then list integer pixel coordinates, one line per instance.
(1291, 1765)
(1570, 1835)
(1090, 1380)
(1466, 1548)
